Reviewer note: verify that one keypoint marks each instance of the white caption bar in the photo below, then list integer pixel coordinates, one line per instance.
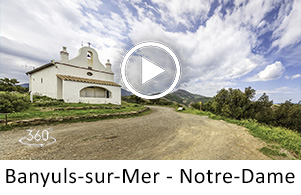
(150, 177)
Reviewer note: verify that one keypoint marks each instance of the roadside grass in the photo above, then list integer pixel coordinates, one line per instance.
(42, 112)
(45, 107)
(286, 138)
(272, 153)
(10, 127)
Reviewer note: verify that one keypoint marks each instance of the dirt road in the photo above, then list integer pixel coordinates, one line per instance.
(163, 134)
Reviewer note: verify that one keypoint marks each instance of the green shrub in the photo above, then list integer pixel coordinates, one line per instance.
(13, 102)
(164, 102)
(195, 105)
(44, 101)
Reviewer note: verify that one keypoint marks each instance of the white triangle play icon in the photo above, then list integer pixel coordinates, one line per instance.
(149, 70)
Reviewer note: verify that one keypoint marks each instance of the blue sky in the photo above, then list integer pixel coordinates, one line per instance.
(220, 44)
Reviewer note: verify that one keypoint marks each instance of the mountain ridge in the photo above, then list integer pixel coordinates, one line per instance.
(182, 96)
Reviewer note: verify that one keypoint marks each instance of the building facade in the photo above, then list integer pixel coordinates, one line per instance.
(81, 79)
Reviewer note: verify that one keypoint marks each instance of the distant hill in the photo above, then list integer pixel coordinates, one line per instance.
(125, 92)
(26, 85)
(184, 97)
(180, 96)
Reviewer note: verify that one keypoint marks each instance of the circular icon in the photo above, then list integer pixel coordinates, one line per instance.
(157, 45)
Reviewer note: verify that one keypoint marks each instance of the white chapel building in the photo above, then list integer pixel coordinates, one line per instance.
(81, 79)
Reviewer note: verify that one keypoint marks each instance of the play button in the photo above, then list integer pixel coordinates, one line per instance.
(149, 70)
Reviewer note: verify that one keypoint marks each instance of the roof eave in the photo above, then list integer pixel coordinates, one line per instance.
(86, 80)
(40, 68)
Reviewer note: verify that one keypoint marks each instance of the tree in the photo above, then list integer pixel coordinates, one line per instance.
(7, 84)
(208, 106)
(234, 103)
(248, 108)
(263, 110)
(288, 115)
(250, 93)
(237, 101)
(220, 100)
(195, 105)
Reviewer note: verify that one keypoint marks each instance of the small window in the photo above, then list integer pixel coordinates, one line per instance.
(89, 73)
(41, 80)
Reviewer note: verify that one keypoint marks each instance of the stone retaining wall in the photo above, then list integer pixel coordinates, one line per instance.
(38, 121)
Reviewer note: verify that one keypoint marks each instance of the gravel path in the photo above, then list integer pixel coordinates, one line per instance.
(163, 134)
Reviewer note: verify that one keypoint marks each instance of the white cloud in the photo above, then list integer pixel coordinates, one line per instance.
(219, 52)
(185, 13)
(279, 90)
(254, 11)
(214, 55)
(293, 76)
(271, 72)
(289, 31)
(207, 88)
(281, 94)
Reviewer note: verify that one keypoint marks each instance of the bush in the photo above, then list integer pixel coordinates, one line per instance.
(13, 102)
(164, 102)
(44, 101)
(195, 105)
(135, 99)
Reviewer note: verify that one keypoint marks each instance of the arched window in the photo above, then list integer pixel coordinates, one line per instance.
(95, 92)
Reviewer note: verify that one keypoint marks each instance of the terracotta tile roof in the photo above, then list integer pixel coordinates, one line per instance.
(85, 80)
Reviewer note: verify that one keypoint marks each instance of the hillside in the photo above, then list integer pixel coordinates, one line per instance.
(26, 85)
(180, 96)
(184, 97)
(125, 92)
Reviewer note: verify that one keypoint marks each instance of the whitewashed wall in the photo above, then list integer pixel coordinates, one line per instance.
(49, 85)
(71, 93)
(79, 72)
